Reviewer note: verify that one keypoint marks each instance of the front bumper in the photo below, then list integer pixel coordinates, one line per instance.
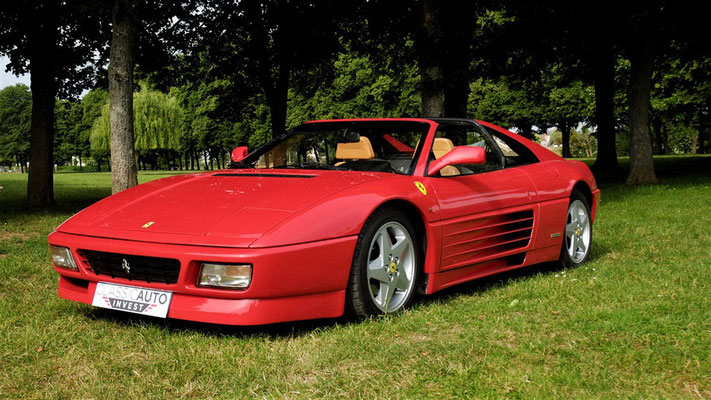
(297, 282)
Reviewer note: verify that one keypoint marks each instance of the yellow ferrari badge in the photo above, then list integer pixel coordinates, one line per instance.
(393, 268)
(147, 224)
(422, 187)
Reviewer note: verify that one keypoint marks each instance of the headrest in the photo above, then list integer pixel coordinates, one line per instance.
(362, 150)
(441, 146)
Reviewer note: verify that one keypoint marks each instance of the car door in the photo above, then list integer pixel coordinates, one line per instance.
(487, 211)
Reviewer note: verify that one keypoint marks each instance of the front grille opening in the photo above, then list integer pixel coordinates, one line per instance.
(130, 267)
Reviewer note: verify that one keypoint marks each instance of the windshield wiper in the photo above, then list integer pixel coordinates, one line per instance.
(314, 166)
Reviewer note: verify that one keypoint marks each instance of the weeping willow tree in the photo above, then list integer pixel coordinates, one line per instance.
(157, 124)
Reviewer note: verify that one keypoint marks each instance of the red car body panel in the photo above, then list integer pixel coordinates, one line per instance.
(299, 228)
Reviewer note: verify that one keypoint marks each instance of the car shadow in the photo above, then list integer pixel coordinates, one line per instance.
(301, 328)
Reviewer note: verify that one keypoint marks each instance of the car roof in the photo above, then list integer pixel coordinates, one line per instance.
(423, 119)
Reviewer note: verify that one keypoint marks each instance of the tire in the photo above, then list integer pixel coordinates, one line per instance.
(577, 237)
(384, 282)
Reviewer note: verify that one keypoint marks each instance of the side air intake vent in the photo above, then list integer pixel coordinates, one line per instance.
(474, 241)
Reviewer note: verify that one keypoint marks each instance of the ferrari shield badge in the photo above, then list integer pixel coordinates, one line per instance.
(147, 224)
(422, 187)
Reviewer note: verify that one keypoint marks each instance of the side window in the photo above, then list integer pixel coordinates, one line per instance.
(515, 154)
(452, 135)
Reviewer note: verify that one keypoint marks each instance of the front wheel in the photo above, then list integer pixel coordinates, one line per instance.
(385, 265)
(578, 232)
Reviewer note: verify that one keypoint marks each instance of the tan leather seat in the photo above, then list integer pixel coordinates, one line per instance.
(362, 150)
(440, 147)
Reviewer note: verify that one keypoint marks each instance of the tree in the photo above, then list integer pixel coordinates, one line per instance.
(442, 36)
(124, 172)
(360, 88)
(15, 116)
(67, 121)
(261, 45)
(143, 34)
(157, 121)
(569, 105)
(430, 42)
(92, 104)
(497, 102)
(53, 41)
(641, 60)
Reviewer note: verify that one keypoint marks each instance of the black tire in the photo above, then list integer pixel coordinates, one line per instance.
(566, 259)
(360, 302)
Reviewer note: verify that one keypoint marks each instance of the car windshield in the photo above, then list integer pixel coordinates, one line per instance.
(376, 146)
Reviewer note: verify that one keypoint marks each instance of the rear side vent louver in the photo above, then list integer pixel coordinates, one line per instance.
(474, 241)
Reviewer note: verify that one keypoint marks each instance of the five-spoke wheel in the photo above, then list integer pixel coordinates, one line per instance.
(578, 232)
(385, 265)
(391, 266)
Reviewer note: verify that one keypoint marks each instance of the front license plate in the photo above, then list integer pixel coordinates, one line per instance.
(132, 299)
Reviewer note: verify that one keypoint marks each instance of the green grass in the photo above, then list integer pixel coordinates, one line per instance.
(634, 322)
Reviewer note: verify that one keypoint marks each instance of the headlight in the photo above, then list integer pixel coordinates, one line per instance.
(62, 257)
(232, 276)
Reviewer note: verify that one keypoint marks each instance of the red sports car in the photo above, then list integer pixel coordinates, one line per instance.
(334, 216)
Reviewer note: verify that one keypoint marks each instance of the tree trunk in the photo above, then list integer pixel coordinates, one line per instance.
(273, 76)
(694, 143)
(603, 61)
(565, 138)
(278, 100)
(458, 53)
(123, 37)
(641, 60)
(40, 184)
(456, 91)
(430, 57)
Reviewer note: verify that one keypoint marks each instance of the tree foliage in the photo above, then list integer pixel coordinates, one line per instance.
(15, 115)
(158, 122)
(238, 73)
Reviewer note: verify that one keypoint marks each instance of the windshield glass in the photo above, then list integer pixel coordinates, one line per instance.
(377, 146)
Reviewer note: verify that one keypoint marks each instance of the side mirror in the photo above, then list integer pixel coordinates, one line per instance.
(458, 155)
(239, 153)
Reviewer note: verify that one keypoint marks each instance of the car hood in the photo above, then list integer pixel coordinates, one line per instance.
(230, 208)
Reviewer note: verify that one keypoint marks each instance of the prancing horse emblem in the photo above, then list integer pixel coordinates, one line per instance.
(126, 267)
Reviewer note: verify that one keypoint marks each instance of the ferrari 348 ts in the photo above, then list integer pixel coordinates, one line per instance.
(335, 216)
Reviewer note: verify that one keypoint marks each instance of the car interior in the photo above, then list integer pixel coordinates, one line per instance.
(389, 148)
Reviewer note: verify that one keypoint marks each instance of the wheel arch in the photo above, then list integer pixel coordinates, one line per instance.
(584, 189)
(425, 238)
(414, 215)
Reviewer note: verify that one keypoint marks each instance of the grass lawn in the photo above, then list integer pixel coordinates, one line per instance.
(634, 322)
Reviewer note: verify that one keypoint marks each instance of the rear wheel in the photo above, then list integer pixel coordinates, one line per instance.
(578, 232)
(385, 265)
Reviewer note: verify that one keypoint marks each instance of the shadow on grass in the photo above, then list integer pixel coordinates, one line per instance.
(301, 328)
(502, 279)
(667, 168)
